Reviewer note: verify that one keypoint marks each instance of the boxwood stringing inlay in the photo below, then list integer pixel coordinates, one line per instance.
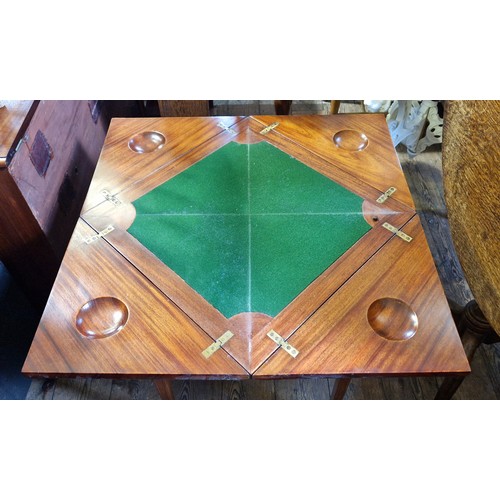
(249, 227)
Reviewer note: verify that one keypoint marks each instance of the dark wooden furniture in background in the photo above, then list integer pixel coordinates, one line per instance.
(184, 108)
(284, 107)
(471, 178)
(23, 246)
(48, 150)
(379, 310)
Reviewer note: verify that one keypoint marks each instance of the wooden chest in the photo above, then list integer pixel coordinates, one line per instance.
(48, 153)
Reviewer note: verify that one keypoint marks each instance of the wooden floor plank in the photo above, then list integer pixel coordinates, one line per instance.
(41, 388)
(82, 388)
(366, 389)
(477, 385)
(70, 388)
(303, 388)
(395, 388)
(491, 354)
(198, 389)
(134, 389)
(249, 389)
(424, 177)
(98, 389)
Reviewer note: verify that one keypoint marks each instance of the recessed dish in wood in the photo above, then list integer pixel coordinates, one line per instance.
(392, 319)
(146, 142)
(350, 140)
(101, 317)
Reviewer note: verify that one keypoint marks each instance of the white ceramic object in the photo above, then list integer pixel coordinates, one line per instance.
(416, 124)
(376, 106)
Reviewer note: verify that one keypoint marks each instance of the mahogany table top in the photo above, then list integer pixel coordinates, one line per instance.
(235, 247)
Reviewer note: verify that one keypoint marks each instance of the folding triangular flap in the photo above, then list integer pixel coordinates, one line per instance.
(390, 318)
(135, 147)
(94, 324)
(359, 144)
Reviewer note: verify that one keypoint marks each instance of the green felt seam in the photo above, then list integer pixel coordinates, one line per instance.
(249, 227)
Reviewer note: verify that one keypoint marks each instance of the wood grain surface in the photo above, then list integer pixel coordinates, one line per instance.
(184, 108)
(471, 176)
(24, 248)
(339, 338)
(158, 338)
(120, 166)
(39, 210)
(12, 116)
(203, 313)
(327, 322)
(283, 107)
(132, 182)
(317, 159)
(377, 164)
(56, 198)
(424, 176)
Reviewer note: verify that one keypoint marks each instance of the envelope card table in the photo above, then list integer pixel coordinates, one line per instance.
(236, 247)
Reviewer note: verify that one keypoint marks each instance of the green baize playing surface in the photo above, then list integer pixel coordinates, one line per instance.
(249, 227)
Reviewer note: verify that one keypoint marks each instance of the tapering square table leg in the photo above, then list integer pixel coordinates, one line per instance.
(474, 329)
(164, 387)
(340, 387)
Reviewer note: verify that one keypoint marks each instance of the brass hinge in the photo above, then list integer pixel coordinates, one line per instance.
(110, 197)
(266, 130)
(223, 126)
(20, 143)
(217, 344)
(283, 343)
(6, 160)
(397, 232)
(102, 233)
(387, 194)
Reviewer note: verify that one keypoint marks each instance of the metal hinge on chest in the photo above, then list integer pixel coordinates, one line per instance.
(217, 344)
(110, 197)
(268, 129)
(283, 343)
(102, 233)
(387, 194)
(397, 232)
